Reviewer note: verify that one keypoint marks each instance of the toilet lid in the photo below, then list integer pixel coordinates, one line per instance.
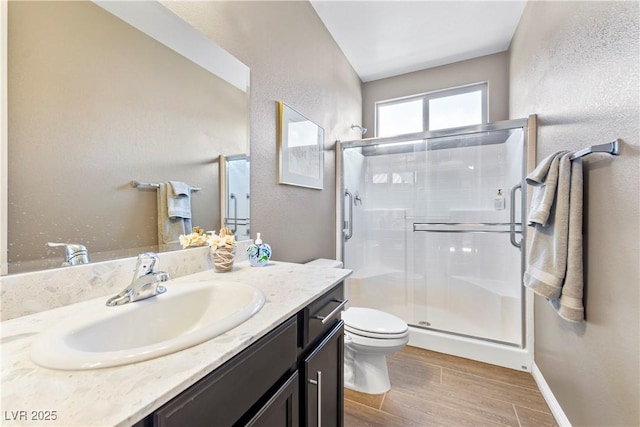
(368, 321)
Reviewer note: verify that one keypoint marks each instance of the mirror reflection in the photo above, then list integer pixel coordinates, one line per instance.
(95, 104)
(237, 196)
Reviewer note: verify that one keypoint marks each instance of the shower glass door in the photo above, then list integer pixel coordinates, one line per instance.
(237, 215)
(434, 232)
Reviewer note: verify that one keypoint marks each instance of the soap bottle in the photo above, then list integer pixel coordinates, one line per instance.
(259, 253)
(498, 202)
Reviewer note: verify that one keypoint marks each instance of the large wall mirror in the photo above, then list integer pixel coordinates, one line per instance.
(101, 94)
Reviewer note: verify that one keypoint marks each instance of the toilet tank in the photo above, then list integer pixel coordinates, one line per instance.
(333, 263)
(324, 262)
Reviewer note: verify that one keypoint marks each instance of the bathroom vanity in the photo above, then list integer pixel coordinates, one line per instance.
(292, 376)
(283, 366)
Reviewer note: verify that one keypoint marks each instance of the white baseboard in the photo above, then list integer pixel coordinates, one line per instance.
(547, 394)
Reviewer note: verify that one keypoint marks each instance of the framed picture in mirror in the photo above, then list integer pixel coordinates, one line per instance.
(300, 149)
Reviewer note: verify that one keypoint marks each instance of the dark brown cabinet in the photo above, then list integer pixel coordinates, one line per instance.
(321, 361)
(323, 374)
(291, 377)
(227, 394)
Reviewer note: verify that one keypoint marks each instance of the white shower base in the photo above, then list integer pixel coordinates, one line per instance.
(470, 348)
(490, 334)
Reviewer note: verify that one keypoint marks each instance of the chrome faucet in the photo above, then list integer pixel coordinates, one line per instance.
(76, 253)
(146, 281)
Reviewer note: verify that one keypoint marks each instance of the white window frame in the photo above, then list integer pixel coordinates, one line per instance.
(426, 97)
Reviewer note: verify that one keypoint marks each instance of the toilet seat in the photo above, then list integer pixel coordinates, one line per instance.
(373, 335)
(374, 345)
(371, 323)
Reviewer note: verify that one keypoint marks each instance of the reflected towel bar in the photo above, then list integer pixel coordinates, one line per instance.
(141, 184)
(612, 148)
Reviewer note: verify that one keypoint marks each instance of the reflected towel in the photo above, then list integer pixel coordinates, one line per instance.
(169, 229)
(554, 261)
(179, 200)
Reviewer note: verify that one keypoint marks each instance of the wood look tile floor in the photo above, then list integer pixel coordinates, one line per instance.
(435, 389)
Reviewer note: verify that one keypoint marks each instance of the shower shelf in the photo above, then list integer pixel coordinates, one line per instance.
(466, 227)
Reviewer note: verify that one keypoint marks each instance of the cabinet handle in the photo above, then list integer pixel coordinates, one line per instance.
(335, 311)
(318, 383)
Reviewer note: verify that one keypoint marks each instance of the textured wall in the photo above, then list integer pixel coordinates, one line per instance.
(294, 59)
(576, 64)
(491, 68)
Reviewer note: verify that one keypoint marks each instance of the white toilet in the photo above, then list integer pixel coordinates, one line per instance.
(369, 336)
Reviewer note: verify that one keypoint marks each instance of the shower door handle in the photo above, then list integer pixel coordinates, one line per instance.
(235, 212)
(348, 229)
(512, 216)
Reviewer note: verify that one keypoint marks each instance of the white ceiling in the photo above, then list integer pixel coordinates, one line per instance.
(387, 38)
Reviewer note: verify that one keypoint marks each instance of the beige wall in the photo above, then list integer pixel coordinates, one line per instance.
(576, 64)
(493, 69)
(294, 59)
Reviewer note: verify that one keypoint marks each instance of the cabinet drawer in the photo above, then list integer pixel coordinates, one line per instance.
(222, 397)
(322, 315)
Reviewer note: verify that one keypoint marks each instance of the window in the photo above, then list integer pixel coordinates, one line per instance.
(443, 109)
(395, 118)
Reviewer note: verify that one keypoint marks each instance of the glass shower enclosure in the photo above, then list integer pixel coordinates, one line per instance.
(432, 229)
(234, 195)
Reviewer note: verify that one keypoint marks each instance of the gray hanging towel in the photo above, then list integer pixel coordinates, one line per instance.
(169, 229)
(178, 200)
(555, 262)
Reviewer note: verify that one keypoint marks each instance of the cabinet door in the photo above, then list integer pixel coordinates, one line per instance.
(228, 393)
(323, 389)
(282, 409)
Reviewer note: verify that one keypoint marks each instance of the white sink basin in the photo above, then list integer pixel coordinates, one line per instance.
(186, 315)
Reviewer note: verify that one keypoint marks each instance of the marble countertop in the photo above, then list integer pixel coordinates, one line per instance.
(121, 396)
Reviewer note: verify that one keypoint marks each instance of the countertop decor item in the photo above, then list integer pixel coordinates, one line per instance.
(258, 253)
(197, 238)
(223, 249)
